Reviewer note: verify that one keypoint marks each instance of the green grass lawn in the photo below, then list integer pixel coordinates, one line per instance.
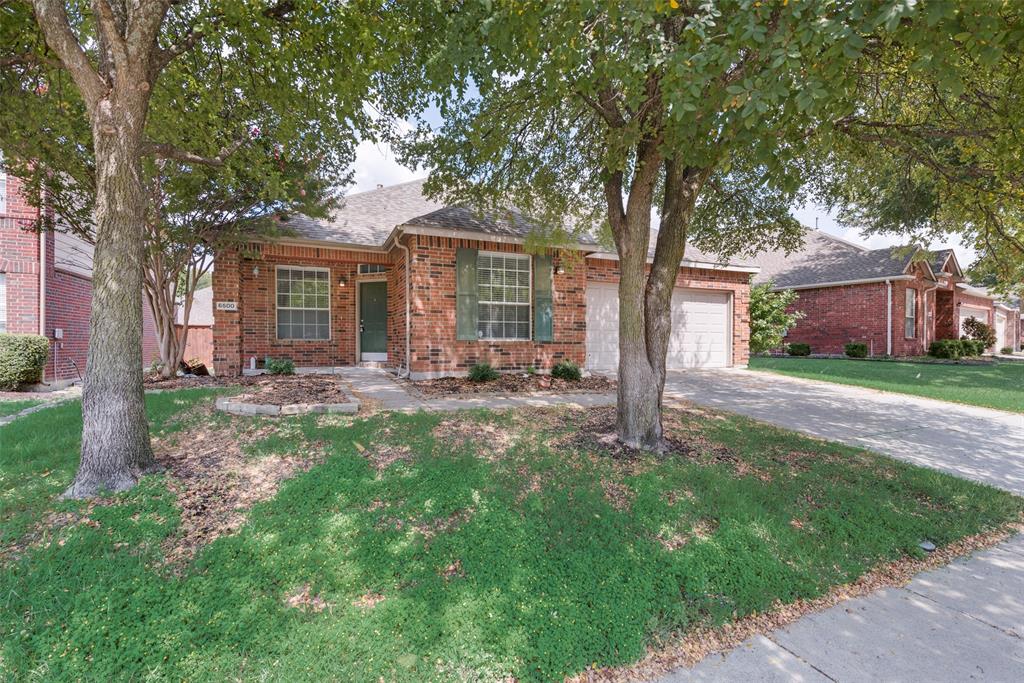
(444, 547)
(996, 385)
(12, 406)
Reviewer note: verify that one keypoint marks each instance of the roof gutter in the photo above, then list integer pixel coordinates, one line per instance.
(844, 283)
(686, 263)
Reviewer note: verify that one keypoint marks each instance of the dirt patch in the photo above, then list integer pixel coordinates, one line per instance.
(520, 383)
(695, 646)
(303, 599)
(384, 456)
(702, 529)
(368, 600)
(618, 495)
(459, 433)
(215, 483)
(291, 389)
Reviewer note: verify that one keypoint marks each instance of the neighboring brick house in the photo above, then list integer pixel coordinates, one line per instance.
(412, 284)
(60, 266)
(896, 301)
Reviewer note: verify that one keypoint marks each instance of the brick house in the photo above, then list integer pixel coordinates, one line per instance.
(894, 300)
(46, 286)
(396, 279)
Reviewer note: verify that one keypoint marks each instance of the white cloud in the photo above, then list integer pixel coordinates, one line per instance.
(813, 215)
(376, 165)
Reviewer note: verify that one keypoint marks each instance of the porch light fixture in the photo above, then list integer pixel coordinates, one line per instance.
(341, 281)
(559, 270)
(255, 271)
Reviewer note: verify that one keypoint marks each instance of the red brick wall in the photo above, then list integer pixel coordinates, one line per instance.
(252, 331)
(19, 261)
(435, 349)
(835, 316)
(600, 270)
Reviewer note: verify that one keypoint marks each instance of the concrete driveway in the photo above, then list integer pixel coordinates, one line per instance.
(961, 622)
(975, 443)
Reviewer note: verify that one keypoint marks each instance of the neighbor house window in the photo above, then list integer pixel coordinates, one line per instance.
(503, 282)
(3, 302)
(910, 322)
(367, 268)
(303, 303)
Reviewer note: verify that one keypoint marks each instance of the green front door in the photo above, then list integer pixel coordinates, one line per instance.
(373, 320)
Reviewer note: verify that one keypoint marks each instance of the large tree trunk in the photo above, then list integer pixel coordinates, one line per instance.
(115, 434)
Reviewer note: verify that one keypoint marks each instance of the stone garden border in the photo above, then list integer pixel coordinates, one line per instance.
(231, 404)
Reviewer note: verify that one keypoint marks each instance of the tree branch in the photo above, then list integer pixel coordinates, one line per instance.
(164, 150)
(53, 21)
(107, 23)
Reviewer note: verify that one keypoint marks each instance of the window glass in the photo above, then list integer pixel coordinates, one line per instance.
(303, 303)
(910, 323)
(503, 287)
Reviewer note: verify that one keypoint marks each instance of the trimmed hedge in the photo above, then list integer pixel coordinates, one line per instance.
(22, 359)
(799, 349)
(567, 370)
(280, 366)
(956, 348)
(857, 350)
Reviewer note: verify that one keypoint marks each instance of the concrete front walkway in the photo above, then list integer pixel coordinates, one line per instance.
(961, 622)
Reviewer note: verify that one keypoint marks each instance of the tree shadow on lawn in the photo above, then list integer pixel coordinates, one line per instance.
(468, 557)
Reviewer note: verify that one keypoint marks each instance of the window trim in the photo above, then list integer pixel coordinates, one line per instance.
(372, 269)
(528, 304)
(910, 312)
(3, 300)
(277, 308)
(3, 186)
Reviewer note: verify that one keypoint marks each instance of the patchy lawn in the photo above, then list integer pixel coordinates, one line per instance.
(995, 385)
(9, 407)
(470, 546)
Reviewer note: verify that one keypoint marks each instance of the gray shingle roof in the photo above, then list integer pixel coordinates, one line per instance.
(824, 258)
(367, 218)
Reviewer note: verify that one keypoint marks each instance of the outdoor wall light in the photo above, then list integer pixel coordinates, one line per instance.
(559, 270)
(341, 281)
(255, 271)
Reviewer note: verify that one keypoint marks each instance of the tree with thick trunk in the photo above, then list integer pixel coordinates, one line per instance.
(190, 82)
(696, 117)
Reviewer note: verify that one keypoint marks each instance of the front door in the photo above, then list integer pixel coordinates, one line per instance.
(373, 321)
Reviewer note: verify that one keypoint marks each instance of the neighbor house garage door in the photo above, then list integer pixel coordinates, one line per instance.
(1001, 340)
(700, 328)
(969, 312)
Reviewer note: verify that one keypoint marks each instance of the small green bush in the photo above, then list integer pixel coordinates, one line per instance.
(567, 370)
(946, 348)
(280, 366)
(22, 359)
(857, 350)
(798, 349)
(972, 347)
(1006, 350)
(482, 372)
(531, 370)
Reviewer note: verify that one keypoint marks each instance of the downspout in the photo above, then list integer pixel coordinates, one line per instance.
(888, 318)
(408, 321)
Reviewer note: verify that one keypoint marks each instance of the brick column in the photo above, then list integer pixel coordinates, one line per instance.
(227, 325)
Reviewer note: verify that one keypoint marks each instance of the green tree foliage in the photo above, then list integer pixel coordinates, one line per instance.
(769, 319)
(92, 94)
(933, 149)
(604, 113)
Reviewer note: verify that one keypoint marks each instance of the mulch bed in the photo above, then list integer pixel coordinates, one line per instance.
(511, 384)
(193, 382)
(281, 390)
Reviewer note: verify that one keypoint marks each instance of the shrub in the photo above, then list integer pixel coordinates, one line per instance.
(1006, 350)
(769, 316)
(946, 348)
(531, 370)
(972, 347)
(22, 359)
(568, 370)
(798, 349)
(975, 329)
(857, 350)
(280, 366)
(482, 372)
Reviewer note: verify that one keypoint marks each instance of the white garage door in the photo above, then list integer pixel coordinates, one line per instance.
(700, 328)
(968, 312)
(1001, 340)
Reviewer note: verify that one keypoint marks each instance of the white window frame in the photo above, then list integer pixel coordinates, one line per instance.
(529, 296)
(372, 268)
(278, 307)
(910, 313)
(3, 186)
(3, 302)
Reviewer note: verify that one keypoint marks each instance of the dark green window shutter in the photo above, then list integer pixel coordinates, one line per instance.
(543, 325)
(466, 309)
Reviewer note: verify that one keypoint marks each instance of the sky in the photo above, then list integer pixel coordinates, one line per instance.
(376, 165)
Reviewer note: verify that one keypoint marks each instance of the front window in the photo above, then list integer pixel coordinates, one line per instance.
(369, 268)
(503, 282)
(3, 302)
(303, 303)
(911, 315)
